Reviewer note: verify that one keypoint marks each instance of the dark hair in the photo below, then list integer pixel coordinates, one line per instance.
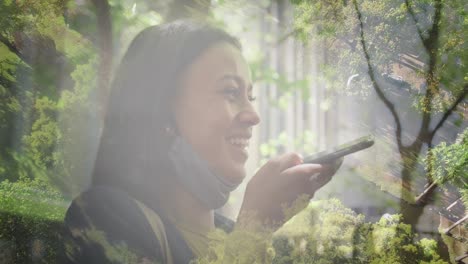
(133, 148)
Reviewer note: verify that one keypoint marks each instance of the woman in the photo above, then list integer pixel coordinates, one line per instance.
(174, 146)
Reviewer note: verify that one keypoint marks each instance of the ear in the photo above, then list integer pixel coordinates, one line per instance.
(170, 128)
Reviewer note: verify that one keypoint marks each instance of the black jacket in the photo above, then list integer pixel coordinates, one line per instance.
(106, 225)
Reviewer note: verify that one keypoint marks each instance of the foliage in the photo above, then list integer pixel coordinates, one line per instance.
(29, 239)
(326, 232)
(112, 252)
(450, 164)
(31, 213)
(32, 199)
(239, 246)
(391, 37)
(374, 42)
(48, 114)
(48, 77)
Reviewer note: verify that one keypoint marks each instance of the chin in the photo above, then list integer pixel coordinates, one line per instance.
(236, 175)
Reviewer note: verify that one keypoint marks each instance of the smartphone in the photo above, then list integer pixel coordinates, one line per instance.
(330, 155)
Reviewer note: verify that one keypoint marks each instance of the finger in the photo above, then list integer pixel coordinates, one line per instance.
(296, 179)
(303, 170)
(289, 160)
(320, 179)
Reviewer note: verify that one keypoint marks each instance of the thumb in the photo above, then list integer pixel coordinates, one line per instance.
(289, 160)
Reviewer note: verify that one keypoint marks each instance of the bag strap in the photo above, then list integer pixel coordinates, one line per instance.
(181, 252)
(179, 246)
(223, 223)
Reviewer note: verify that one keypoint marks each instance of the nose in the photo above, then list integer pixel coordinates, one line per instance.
(249, 115)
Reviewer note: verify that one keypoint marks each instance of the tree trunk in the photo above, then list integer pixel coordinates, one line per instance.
(104, 25)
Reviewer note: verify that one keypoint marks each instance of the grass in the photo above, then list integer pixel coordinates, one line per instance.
(32, 200)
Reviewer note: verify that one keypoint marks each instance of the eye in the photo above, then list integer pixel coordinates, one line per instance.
(232, 93)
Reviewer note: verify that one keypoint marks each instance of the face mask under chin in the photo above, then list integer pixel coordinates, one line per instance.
(194, 174)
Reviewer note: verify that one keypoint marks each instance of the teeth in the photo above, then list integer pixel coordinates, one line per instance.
(243, 142)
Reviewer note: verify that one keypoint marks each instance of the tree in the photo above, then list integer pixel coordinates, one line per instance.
(372, 37)
(48, 84)
(50, 118)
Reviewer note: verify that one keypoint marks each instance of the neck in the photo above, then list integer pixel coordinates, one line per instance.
(183, 208)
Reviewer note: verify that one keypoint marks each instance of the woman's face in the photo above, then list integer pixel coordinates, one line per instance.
(214, 111)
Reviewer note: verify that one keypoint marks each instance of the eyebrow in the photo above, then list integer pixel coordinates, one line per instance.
(237, 79)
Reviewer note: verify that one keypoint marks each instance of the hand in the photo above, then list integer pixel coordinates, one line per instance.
(279, 183)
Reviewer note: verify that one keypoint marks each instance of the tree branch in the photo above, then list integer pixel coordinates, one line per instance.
(449, 111)
(453, 204)
(425, 193)
(459, 259)
(432, 43)
(433, 38)
(376, 86)
(415, 20)
(447, 231)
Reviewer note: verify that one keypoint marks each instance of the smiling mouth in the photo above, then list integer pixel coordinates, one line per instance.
(239, 142)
